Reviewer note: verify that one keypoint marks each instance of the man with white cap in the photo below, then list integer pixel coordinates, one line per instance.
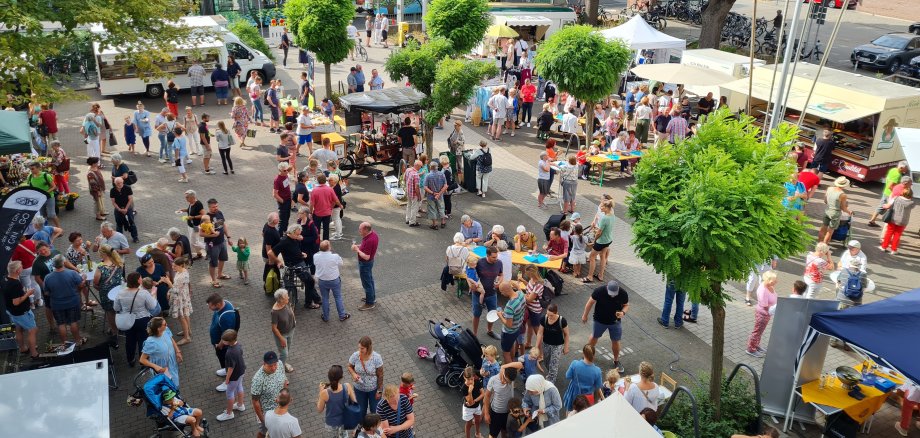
(853, 251)
(836, 200)
(892, 178)
(612, 304)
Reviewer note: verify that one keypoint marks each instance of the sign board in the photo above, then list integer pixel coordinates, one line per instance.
(274, 35)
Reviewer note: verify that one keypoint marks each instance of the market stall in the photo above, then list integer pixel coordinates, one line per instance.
(714, 60)
(883, 333)
(862, 111)
(639, 36)
(531, 28)
(612, 417)
(15, 134)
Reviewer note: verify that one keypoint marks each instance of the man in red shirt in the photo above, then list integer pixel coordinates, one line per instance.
(281, 191)
(810, 179)
(323, 199)
(48, 119)
(366, 253)
(556, 247)
(528, 95)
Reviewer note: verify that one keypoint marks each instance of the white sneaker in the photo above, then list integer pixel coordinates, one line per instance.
(221, 372)
(239, 407)
(161, 160)
(225, 416)
(528, 125)
(188, 161)
(222, 387)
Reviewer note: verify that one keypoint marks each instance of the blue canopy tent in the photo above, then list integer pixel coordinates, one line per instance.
(883, 331)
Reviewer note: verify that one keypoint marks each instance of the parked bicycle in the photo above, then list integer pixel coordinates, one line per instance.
(361, 51)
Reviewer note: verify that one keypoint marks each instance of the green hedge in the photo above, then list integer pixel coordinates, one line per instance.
(739, 412)
(250, 35)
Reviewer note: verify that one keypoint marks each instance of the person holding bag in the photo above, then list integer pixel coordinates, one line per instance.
(332, 400)
(132, 315)
(584, 379)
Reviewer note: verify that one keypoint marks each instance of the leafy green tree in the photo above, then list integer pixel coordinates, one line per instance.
(144, 29)
(584, 63)
(250, 35)
(446, 82)
(713, 19)
(709, 208)
(462, 22)
(320, 27)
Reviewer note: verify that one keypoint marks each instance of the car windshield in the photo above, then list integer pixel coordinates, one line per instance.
(891, 41)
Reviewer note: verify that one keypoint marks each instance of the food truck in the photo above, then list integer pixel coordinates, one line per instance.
(534, 20)
(734, 65)
(863, 113)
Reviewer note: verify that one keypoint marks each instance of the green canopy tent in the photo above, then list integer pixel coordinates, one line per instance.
(15, 134)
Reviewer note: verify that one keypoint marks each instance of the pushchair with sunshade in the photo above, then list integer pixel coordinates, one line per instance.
(150, 388)
(457, 348)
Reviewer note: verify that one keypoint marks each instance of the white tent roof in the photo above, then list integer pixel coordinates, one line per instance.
(640, 35)
(613, 417)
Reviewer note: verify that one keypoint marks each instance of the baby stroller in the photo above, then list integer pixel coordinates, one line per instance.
(456, 349)
(150, 387)
(842, 232)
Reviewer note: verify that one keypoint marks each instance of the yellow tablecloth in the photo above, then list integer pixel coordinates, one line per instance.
(599, 159)
(835, 396)
(517, 258)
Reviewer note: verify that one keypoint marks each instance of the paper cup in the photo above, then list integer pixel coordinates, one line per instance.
(492, 316)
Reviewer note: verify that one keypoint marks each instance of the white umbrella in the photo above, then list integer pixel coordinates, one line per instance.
(681, 74)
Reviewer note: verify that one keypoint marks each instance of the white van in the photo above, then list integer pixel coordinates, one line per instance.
(117, 76)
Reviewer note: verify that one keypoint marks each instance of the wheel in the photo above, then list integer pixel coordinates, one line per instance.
(454, 379)
(155, 90)
(363, 54)
(894, 66)
(660, 24)
(682, 16)
(441, 381)
(347, 166)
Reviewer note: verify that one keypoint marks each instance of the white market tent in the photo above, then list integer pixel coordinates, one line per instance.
(639, 35)
(613, 417)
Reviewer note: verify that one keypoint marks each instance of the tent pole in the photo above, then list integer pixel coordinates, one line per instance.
(787, 423)
(830, 45)
(751, 50)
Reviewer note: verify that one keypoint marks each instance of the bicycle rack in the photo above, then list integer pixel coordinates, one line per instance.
(756, 378)
(696, 415)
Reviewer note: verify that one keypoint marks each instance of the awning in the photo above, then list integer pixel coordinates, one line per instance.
(524, 20)
(822, 106)
(612, 417)
(387, 101)
(15, 134)
(681, 74)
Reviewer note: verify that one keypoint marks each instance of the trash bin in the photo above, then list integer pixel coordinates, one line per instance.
(402, 33)
(469, 171)
(453, 160)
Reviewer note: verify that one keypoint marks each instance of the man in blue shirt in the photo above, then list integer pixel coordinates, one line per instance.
(223, 318)
(63, 288)
(359, 78)
(471, 230)
(629, 104)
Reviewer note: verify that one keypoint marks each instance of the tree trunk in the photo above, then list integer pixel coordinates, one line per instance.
(429, 140)
(718, 346)
(713, 20)
(589, 122)
(591, 7)
(328, 69)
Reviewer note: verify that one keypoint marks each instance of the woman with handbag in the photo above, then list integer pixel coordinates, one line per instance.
(96, 187)
(60, 162)
(132, 307)
(900, 207)
(366, 368)
(332, 400)
(396, 412)
(110, 272)
(221, 80)
(224, 141)
(584, 379)
(451, 184)
(240, 116)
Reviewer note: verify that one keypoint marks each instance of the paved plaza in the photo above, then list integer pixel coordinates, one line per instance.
(407, 272)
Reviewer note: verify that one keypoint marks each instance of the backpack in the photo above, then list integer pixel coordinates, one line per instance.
(549, 292)
(236, 324)
(454, 264)
(91, 129)
(485, 160)
(555, 282)
(272, 282)
(853, 289)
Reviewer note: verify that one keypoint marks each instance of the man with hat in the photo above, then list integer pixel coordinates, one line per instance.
(853, 251)
(894, 176)
(612, 304)
(836, 200)
(266, 387)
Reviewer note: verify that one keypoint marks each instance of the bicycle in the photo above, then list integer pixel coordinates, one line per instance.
(361, 51)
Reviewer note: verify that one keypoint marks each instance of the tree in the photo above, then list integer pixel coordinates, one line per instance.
(446, 82)
(250, 35)
(591, 7)
(462, 22)
(146, 30)
(320, 27)
(713, 19)
(709, 208)
(583, 63)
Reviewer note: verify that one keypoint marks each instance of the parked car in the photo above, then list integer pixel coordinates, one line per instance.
(887, 52)
(914, 28)
(912, 68)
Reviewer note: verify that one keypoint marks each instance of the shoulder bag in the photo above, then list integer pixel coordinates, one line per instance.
(124, 321)
(888, 215)
(351, 416)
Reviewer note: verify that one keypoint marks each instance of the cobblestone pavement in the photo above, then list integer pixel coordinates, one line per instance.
(407, 272)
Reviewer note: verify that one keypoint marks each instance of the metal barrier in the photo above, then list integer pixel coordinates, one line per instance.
(696, 416)
(756, 378)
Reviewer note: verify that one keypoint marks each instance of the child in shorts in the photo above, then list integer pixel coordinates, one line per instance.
(577, 254)
(289, 113)
(472, 278)
(242, 259)
(236, 369)
(180, 413)
(531, 363)
(472, 401)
